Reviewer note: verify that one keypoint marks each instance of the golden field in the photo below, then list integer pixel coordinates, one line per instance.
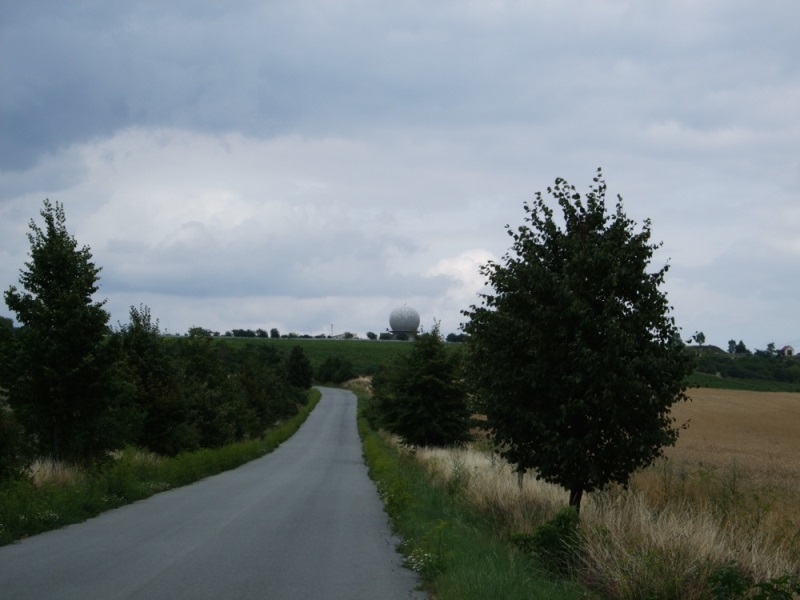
(758, 432)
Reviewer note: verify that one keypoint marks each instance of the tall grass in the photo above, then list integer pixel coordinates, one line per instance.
(631, 548)
(57, 495)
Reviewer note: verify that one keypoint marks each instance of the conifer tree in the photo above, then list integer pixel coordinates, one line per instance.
(61, 386)
(422, 397)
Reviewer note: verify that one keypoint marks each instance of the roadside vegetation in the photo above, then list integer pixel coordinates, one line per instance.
(454, 548)
(689, 527)
(575, 367)
(56, 494)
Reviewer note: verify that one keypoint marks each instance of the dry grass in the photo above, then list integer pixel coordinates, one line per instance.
(49, 471)
(489, 484)
(727, 491)
(362, 383)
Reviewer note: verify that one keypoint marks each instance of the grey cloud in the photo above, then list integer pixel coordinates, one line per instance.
(195, 263)
(74, 73)
(392, 136)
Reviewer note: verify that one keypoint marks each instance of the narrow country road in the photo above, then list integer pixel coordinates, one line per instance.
(303, 522)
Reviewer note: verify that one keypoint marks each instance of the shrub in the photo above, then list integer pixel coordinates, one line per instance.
(556, 543)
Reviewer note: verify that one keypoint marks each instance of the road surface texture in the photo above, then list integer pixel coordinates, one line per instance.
(303, 522)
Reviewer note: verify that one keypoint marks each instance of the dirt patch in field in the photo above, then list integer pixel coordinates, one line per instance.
(758, 432)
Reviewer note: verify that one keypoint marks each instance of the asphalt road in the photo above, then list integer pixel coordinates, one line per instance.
(303, 522)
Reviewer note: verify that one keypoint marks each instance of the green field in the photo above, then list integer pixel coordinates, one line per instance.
(365, 355)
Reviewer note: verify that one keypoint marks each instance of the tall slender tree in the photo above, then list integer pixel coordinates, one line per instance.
(62, 376)
(575, 357)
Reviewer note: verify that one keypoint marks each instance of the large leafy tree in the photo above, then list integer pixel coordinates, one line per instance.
(422, 397)
(575, 356)
(60, 389)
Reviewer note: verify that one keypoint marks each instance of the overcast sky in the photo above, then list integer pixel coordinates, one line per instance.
(311, 165)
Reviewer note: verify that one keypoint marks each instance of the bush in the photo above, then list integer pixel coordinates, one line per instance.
(556, 543)
(729, 582)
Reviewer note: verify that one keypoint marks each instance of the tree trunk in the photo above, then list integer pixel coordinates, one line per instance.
(575, 496)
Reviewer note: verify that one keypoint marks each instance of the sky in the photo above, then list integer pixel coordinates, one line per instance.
(311, 165)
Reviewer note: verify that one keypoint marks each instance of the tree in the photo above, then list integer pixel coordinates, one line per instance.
(335, 369)
(7, 349)
(741, 348)
(153, 373)
(371, 335)
(576, 360)
(60, 391)
(274, 333)
(731, 346)
(14, 444)
(700, 338)
(298, 369)
(422, 397)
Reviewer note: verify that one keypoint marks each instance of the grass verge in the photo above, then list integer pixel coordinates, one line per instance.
(28, 508)
(453, 549)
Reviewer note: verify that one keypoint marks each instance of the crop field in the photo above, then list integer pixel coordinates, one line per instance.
(757, 433)
(739, 459)
(366, 355)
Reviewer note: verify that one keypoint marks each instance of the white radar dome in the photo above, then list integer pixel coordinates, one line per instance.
(404, 319)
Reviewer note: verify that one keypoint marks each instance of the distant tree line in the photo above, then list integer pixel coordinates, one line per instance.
(739, 362)
(74, 388)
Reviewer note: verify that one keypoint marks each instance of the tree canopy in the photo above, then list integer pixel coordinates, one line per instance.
(60, 390)
(422, 397)
(298, 368)
(575, 357)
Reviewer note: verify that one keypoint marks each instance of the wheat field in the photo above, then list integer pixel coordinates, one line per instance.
(758, 432)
